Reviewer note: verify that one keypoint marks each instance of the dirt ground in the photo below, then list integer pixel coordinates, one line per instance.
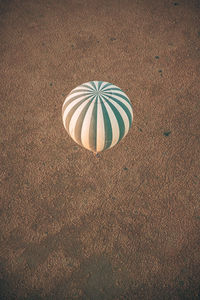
(125, 225)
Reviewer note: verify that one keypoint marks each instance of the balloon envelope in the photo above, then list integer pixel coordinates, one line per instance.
(97, 115)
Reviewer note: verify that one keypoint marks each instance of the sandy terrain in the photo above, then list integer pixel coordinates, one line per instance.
(124, 225)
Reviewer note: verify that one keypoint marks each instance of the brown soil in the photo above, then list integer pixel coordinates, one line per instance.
(124, 225)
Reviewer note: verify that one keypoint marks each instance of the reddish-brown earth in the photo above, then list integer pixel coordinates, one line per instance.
(125, 225)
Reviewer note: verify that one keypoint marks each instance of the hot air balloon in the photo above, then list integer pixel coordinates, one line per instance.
(97, 115)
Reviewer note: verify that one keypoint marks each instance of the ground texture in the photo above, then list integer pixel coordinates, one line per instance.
(124, 225)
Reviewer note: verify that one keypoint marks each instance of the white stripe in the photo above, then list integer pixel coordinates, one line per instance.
(109, 90)
(100, 139)
(90, 85)
(81, 87)
(114, 125)
(120, 92)
(86, 127)
(112, 86)
(123, 101)
(103, 84)
(123, 115)
(96, 84)
(115, 91)
(81, 94)
(72, 124)
(71, 105)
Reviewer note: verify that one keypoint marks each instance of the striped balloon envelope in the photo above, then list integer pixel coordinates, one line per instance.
(97, 115)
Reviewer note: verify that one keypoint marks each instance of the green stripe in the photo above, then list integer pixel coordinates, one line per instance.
(119, 119)
(112, 89)
(107, 84)
(107, 125)
(87, 86)
(71, 112)
(71, 100)
(93, 129)
(124, 107)
(99, 84)
(79, 122)
(119, 95)
(93, 84)
(80, 90)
